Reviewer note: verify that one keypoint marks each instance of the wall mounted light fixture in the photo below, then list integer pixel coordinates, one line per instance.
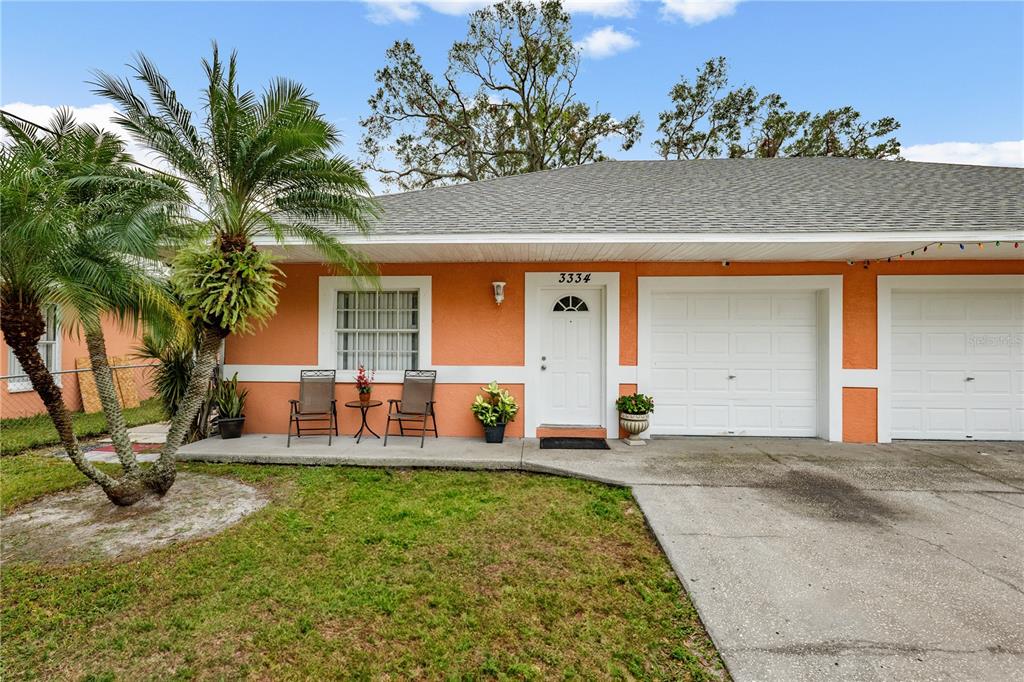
(499, 292)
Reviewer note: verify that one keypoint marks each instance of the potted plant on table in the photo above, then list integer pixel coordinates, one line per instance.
(364, 384)
(230, 404)
(634, 411)
(495, 409)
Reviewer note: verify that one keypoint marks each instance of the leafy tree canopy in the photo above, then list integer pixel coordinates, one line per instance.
(710, 118)
(506, 104)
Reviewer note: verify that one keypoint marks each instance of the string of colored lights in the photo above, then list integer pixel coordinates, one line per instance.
(963, 246)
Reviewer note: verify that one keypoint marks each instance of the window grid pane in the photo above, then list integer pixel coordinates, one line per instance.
(378, 329)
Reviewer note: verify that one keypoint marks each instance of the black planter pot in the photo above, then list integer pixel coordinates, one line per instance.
(494, 434)
(231, 427)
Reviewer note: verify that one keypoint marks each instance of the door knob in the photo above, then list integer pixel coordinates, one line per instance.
(543, 367)
(732, 376)
(969, 379)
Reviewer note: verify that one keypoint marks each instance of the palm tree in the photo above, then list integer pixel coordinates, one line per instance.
(260, 166)
(78, 225)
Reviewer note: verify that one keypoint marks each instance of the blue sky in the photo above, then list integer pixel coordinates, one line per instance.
(950, 72)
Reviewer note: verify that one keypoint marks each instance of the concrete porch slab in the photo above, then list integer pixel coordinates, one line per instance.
(452, 453)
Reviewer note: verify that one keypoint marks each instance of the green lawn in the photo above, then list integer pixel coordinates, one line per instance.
(366, 574)
(18, 435)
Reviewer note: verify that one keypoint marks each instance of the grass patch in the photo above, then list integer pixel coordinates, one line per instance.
(25, 433)
(368, 574)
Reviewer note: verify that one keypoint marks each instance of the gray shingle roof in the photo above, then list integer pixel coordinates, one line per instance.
(720, 195)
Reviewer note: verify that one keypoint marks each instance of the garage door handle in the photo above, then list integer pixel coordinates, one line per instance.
(969, 379)
(732, 376)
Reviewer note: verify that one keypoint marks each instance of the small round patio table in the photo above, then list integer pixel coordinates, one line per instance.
(363, 409)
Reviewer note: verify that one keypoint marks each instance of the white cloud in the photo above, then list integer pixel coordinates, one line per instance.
(605, 42)
(97, 114)
(696, 12)
(389, 11)
(1009, 153)
(601, 8)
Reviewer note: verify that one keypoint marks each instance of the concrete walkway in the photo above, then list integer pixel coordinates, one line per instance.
(807, 560)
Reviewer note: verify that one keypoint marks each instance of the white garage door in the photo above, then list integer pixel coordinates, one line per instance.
(958, 365)
(734, 363)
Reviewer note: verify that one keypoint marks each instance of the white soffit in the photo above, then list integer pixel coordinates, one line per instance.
(733, 248)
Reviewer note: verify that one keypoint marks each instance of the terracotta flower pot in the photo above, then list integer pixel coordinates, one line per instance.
(634, 425)
(364, 397)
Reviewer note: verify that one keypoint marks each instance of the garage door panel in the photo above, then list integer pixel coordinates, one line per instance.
(798, 381)
(907, 344)
(709, 344)
(953, 344)
(751, 380)
(994, 307)
(965, 379)
(665, 345)
(751, 307)
(709, 307)
(796, 420)
(993, 423)
(799, 343)
(906, 381)
(992, 383)
(752, 343)
(766, 341)
(710, 379)
(946, 419)
(753, 420)
(795, 308)
(906, 308)
(710, 416)
(907, 420)
(669, 309)
(946, 307)
(939, 381)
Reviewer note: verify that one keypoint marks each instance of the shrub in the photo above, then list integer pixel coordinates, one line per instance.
(497, 406)
(637, 403)
(229, 400)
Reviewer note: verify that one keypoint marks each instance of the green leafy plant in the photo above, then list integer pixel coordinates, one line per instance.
(227, 290)
(229, 400)
(496, 406)
(637, 403)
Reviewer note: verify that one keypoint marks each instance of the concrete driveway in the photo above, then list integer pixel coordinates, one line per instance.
(810, 560)
(807, 560)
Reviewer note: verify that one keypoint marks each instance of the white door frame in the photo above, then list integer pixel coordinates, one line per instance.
(609, 283)
(830, 330)
(887, 284)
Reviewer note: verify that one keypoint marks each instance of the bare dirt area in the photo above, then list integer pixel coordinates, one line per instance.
(82, 525)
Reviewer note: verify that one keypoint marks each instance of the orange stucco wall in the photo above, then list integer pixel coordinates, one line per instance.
(860, 415)
(120, 340)
(470, 329)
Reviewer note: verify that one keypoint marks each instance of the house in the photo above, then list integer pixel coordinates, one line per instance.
(64, 351)
(849, 300)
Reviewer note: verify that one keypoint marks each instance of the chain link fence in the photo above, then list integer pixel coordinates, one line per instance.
(25, 425)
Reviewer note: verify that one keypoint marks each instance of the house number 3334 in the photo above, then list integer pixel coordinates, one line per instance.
(573, 277)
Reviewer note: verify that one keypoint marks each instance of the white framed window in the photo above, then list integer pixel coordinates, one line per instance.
(378, 330)
(49, 348)
(386, 328)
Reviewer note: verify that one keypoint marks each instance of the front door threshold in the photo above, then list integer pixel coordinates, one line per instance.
(571, 431)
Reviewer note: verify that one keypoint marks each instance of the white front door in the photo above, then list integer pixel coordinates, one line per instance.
(958, 365)
(572, 358)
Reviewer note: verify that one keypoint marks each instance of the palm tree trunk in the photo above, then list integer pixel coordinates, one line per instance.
(104, 377)
(22, 325)
(161, 476)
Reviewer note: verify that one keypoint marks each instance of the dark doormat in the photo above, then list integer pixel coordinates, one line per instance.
(574, 444)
